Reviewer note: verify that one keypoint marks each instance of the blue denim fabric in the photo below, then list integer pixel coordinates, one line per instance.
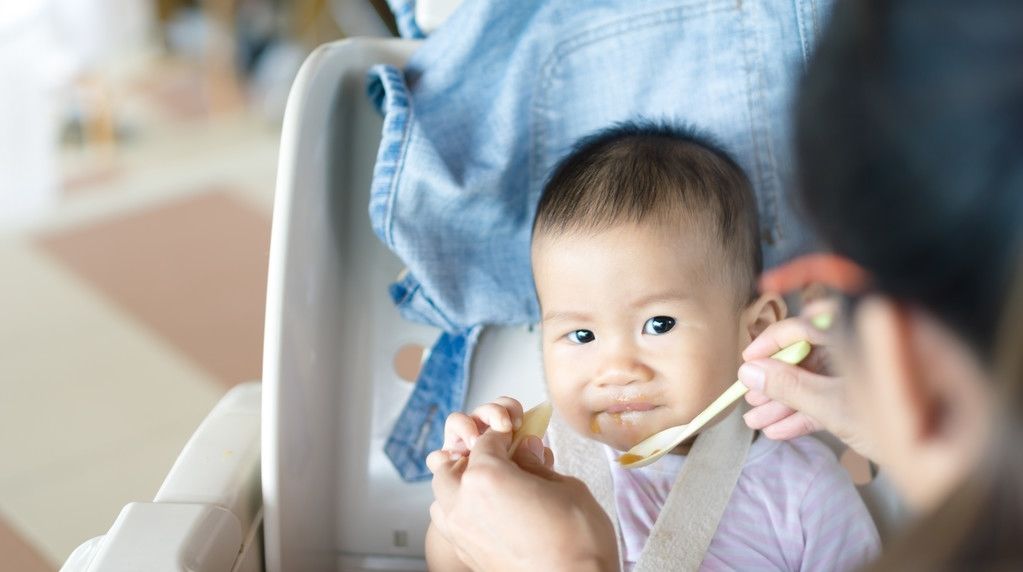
(495, 97)
(420, 427)
(405, 17)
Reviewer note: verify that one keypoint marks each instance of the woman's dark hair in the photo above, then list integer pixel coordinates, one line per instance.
(910, 144)
(910, 139)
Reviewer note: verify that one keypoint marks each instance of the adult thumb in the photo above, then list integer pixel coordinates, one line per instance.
(531, 457)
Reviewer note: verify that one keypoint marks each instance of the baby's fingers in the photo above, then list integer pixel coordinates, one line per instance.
(514, 409)
(460, 433)
(437, 460)
(496, 416)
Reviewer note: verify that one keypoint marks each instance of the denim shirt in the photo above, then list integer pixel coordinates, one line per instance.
(404, 12)
(492, 101)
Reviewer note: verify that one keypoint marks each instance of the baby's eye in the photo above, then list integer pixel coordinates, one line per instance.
(580, 336)
(658, 325)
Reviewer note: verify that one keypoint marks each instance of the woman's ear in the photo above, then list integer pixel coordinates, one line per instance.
(928, 399)
(888, 363)
(764, 311)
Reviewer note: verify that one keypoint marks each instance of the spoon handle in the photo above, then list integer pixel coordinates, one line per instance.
(730, 396)
(791, 355)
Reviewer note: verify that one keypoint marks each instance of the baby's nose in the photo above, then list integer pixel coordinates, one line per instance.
(624, 372)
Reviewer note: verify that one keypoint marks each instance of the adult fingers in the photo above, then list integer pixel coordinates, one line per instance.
(813, 394)
(782, 334)
(491, 446)
(755, 398)
(767, 414)
(795, 425)
(532, 457)
(440, 526)
(819, 361)
(447, 477)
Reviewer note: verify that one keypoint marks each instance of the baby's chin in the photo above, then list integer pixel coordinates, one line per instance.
(621, 432)
(620, 445)
(624, 445)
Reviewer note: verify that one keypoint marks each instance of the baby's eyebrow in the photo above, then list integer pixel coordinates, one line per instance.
(656, 298)
(576, 316)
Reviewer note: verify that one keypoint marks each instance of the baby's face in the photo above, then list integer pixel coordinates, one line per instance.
(641, 327)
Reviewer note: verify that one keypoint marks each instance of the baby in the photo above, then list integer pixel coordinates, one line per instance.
(645, 257)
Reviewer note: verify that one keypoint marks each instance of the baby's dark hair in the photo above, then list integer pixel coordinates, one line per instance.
(643, 171)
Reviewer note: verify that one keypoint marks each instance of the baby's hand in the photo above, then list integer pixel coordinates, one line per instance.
(504, 414)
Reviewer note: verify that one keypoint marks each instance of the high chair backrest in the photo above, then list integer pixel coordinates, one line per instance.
(331, 390)
(335, 348)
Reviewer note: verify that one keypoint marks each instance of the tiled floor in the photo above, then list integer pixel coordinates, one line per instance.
(191, 271)
(19, 554)
(126, 313)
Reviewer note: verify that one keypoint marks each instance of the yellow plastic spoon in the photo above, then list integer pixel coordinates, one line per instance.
(663, 442)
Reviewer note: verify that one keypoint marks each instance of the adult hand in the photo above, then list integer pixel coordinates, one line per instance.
(789, 401)
(517, 514)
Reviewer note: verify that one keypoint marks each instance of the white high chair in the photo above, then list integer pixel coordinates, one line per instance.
(332, 499)
(329, 498)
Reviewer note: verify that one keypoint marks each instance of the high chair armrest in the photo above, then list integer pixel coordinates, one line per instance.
(220, 463)
(207, 515)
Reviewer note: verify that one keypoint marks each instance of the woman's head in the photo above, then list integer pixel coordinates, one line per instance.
(911, 135)
(910, 138)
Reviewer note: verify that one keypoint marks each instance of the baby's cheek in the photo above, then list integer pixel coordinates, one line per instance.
(562, 382)
(566, 387)
(568, 405)
(698, 385)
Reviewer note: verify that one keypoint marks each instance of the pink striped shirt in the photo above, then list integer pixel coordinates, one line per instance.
(793, 508)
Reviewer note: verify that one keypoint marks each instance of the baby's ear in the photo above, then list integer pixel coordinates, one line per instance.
(764, 311)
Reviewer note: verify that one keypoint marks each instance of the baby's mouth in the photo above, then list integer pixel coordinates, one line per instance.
(630, 406)
(624, 415)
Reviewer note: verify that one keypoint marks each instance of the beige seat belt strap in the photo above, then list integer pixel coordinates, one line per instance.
(585, 460)
(687, 522)
(690, 516)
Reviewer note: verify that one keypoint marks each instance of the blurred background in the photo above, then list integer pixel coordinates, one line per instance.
(138, 149)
